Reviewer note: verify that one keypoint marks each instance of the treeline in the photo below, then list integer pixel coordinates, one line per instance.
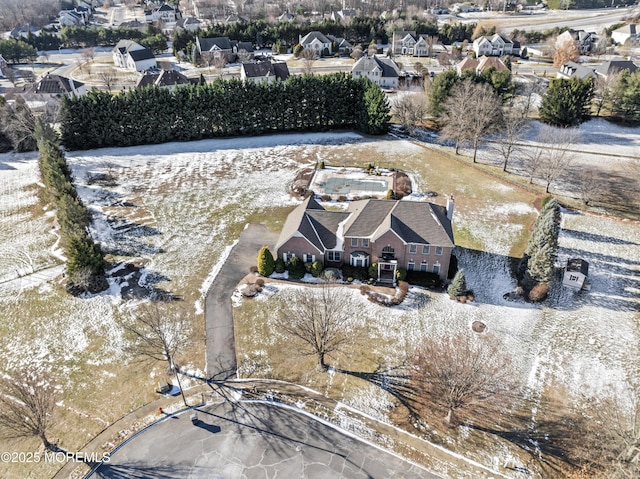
(223, 108)
(17, 51)
(585, 4)
(85, 260)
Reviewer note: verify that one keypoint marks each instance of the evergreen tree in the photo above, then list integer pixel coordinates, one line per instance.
(442, 85)
(266, 263)
(541, 263)
(458, 286)
(625, 97)
(375, 117)
(83, 252)
(567, 102)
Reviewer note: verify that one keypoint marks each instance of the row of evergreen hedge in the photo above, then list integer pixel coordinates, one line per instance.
(223, 108)
(85, 260)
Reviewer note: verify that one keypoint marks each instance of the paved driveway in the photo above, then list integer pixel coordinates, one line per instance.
(221, 351)
(252, 440)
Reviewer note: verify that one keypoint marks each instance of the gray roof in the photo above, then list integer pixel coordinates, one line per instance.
(187, 21)
(164, 78)
(55, 84)
(413, 221)
(266, 69)
(615, 66)
(138, 55)
(573, 69)
(208, 44)
(316, 224)
(367, 63)
(309, 37)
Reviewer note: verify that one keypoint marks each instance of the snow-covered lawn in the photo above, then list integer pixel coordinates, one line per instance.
(176, 208)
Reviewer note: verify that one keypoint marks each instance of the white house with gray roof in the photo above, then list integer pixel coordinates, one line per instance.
(382, 71)
(393, 234)
(133, 56)
(316, 41)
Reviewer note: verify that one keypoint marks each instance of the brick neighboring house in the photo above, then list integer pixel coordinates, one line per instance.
(394, 234)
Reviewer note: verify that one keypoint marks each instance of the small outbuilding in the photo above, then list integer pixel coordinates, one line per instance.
(576, 274)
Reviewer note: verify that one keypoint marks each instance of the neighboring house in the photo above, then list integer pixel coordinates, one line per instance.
(237, 47)
(573, 69)
(286, 17)
(70, 18)
(583, 40)
(576, 273)
(408, 43)
(266, 71)
(495, 45)
(479, 65)
(23, 31)
(394, 234)
(628, 32)
(133, 56)
(189, 23)
(166, 78)
(214, 48)
(316, 41)
(165, 13)
(45, 95)
(611, 67)
(344, 15)
(204, 8)
(384, 72)
(343, 44)
(490, 62)
(134, 24)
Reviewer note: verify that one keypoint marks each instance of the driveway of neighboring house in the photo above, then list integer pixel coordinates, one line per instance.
(220, 342)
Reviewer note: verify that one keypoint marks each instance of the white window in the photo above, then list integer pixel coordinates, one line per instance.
(411, 265)
(436, 268)
(287, 256)
(413, 249)
(308, 258)
(354, 242)
(425, 249)
(333, 256)
(365, 243)
(424, 267)
(439, 250)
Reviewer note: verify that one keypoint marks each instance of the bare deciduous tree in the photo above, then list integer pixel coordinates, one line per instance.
(27, 402)
(565, 52)
(244, 56)
(372, 49)
(460, 373)
(410, 109)
(602, 90)
(108, 77)
(557, 153)
(357, 52)
(471, 111)
(318, 320)
(220, 62)
(158, 334)
(512, 132)
(18, 124)
(308, 57)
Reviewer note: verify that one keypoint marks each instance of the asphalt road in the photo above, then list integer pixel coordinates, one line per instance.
(220, 342)
(252, 440)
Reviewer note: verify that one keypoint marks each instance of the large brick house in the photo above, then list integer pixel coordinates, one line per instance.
(394, 234)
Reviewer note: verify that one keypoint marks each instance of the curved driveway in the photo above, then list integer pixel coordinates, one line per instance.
(220, 343)
(248, 440)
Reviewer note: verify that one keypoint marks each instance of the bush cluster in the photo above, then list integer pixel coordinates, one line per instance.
(85, 260)
(426, 280)
(355, 272)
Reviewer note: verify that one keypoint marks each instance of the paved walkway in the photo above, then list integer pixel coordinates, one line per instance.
(220, 343)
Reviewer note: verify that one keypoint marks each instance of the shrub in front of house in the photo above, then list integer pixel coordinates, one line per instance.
(426, 280)
(373, 270)
(260, 282)
(296, 268)
(307, 266)
(401, 274)
(355, 272)
(266, 263)
(280, 266)
(316, 268)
